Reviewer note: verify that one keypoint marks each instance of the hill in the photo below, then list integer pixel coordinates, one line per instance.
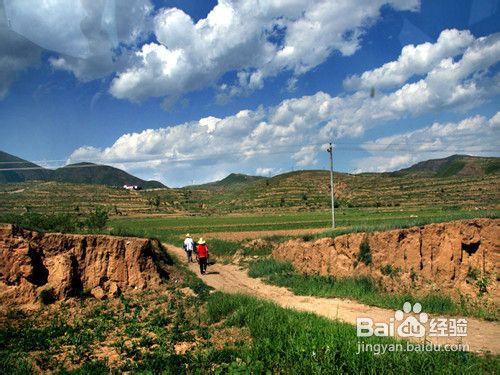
(455, 165)
(14, 169)
(231, 180)
(89, 173)
(298, 190)
(24, 170)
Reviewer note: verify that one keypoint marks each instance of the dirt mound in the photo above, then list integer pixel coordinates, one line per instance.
(57, 265)
(459, 256)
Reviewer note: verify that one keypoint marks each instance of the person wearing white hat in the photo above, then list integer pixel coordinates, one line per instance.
(189, 247)
(202, 253)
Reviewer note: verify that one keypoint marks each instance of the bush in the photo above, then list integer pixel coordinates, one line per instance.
(60, 221)
(390, 271)
(365, 253)
(97, 219)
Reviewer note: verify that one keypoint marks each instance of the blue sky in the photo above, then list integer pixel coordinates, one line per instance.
(173, 95)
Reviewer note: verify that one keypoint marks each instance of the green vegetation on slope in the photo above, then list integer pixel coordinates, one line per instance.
(93, 220)
(477, 184)
(450, 169)
(224, 334)
(454, 165)
(361, 289)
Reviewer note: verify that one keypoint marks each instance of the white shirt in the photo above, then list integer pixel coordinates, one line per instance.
(188, 244)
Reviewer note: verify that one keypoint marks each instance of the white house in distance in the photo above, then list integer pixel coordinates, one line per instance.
(132, 187)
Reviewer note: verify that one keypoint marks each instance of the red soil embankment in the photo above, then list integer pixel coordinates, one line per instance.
(457, 256)
(69, 264)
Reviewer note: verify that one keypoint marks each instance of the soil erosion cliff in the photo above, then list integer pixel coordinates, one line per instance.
(65, 265)
(461, 257)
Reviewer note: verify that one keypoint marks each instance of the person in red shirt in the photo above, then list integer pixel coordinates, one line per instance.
(202, 253)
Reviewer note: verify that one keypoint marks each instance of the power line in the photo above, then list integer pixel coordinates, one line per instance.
(250, 153)
(108, 163)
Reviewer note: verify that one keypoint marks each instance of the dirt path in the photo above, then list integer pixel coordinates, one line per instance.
(481, 335)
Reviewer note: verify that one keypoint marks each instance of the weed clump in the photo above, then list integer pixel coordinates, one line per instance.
(97, 219)
(365, 253)
(390, 271)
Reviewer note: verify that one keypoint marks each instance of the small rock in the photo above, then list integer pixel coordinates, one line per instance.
(112, 288)
(98, 292)
(187, 291)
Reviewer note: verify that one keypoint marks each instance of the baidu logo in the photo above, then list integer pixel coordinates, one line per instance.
(411, 326)
(411, 322)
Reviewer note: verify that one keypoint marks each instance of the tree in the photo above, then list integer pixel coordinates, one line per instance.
(155, 201)
(97, 219)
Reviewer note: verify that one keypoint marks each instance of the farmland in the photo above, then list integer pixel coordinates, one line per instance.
(294, 191)
(348, 220)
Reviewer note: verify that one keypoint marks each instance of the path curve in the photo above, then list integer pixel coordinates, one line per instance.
(482, 336)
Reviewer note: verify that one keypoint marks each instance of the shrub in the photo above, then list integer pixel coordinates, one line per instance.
(155, 200)
(58, 222)
(97, 219)
(365, 253)
(307, 237)
(472, 275)
(413, 276)
(390, 271)
(482, 284)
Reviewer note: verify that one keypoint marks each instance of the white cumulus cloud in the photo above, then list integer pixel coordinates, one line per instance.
(474, 135)
(254, 38)
(413, 60)
(296, 128)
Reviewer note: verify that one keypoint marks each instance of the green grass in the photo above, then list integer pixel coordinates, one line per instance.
(172, 229)
(144, 329)
(292, 342)
(362, 289)
(280, 341)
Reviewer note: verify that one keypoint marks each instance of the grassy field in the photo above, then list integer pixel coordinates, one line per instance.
(172, 229)
(363, 289)
(169, 333)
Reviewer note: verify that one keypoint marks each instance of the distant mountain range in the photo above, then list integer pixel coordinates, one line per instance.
(14, 169)
(455, 165)
(455, 181)
(231, 180)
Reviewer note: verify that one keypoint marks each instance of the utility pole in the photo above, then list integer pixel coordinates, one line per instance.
(330, 151)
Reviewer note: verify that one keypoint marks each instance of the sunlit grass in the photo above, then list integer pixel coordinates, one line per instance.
(362, 289)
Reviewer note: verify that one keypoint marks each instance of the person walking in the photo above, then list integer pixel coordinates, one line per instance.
(203, 255)
(189, 247)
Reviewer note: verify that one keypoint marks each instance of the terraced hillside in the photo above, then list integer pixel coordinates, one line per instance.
(310, 190)
(302, 190)
(46, 197)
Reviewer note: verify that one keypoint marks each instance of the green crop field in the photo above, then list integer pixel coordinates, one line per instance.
(172, 229)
